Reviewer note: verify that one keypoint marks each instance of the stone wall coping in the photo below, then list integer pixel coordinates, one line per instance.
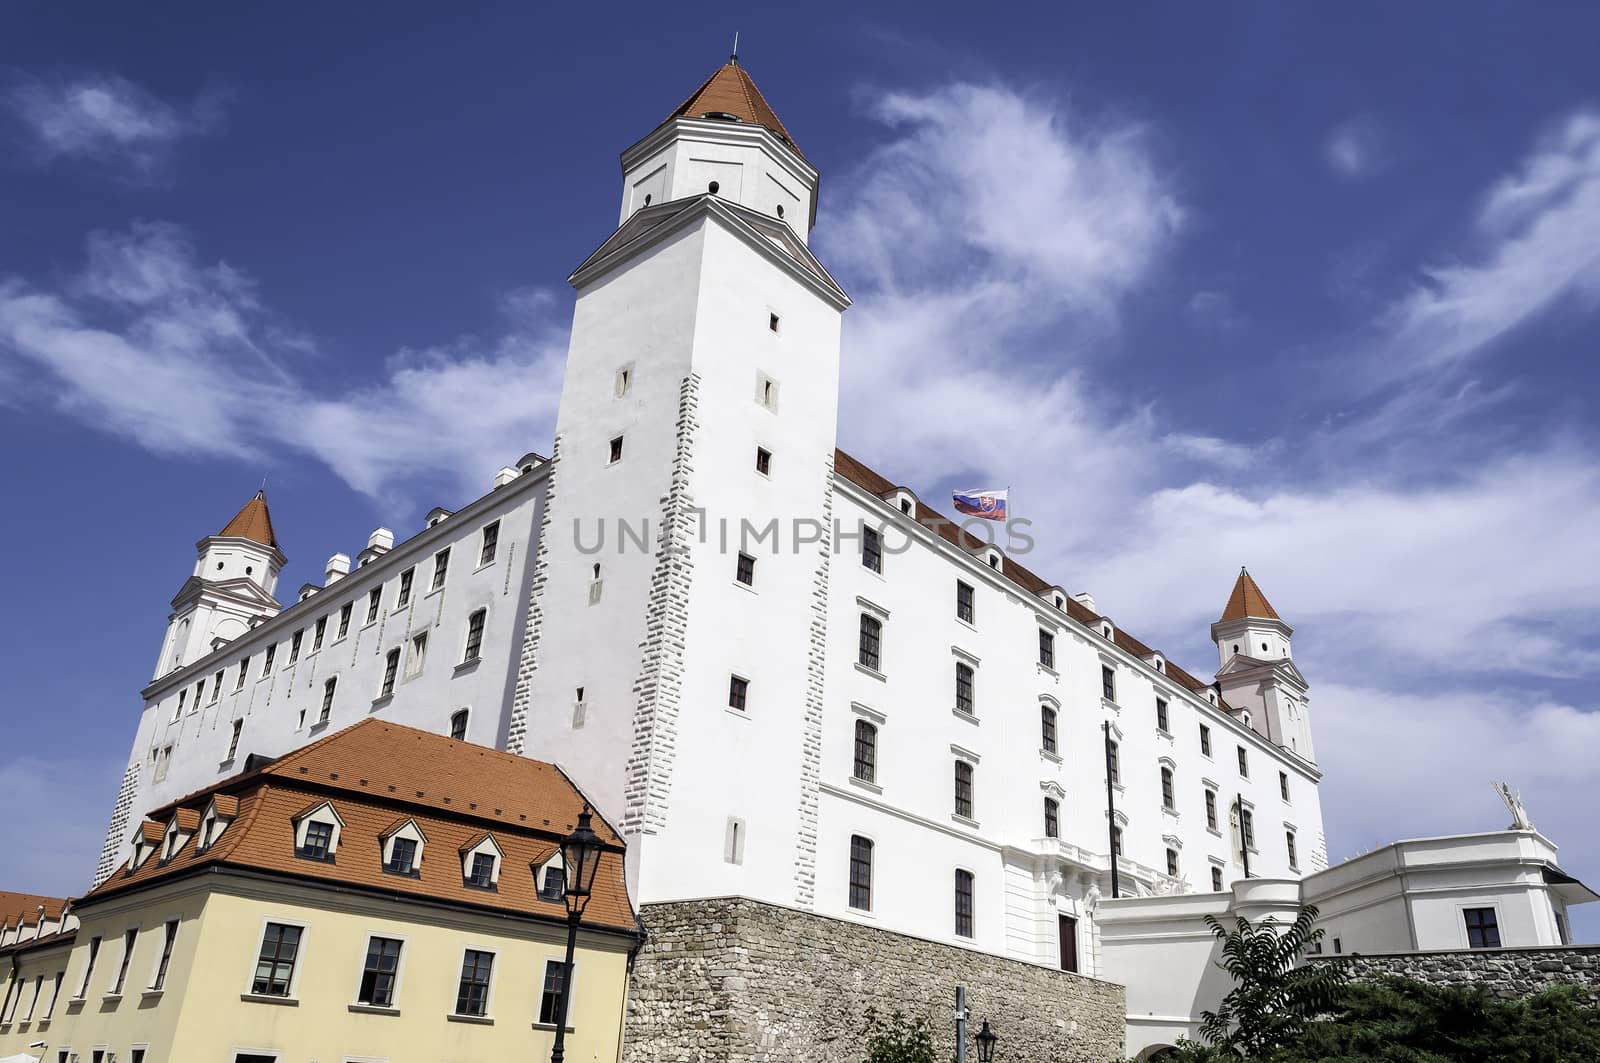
(1486, 953)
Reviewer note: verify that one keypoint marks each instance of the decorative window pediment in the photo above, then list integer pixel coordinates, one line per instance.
(403, 844)
(1053, 789)
(317, 829)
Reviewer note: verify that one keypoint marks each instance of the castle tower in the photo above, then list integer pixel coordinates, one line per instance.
(1257, 672)
(696, 424)
(231, 590)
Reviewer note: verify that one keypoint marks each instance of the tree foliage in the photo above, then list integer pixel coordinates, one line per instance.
(898, 1039)
(1275, 994)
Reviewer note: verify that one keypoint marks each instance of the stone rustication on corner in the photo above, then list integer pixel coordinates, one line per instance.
(731, 979)
(1508, 973)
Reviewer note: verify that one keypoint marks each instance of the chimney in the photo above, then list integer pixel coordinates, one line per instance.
(505, 476)
(378, 544)
(338, 568)
(1085, 599)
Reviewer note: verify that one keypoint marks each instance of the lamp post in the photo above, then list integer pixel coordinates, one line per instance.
(580, 856)
(986, 1042)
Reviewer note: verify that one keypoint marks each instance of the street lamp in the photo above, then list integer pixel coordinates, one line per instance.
(580, 856)
(986, 1043)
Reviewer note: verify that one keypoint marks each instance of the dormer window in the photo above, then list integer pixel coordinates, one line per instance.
(402, 849)
(316, 833)
(480, 863)
(552, 880)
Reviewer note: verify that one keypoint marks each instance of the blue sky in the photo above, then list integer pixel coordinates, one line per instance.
(1309, 290)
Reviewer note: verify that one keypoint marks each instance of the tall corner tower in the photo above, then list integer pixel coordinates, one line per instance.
(230, 591)
(1256, 669)
(678, 682)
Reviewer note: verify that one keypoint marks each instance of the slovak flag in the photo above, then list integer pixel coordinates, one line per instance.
(990, 505)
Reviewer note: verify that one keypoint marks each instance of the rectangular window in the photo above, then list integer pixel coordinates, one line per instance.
(216, 687)
(1172, 863)
(378, 973)
(55, 993)
(441, 567)
(475, 635)
(1216, 880)
(866, 758)
(319, 839)
(177, 712)
(404, 597)
(294, 645)
(402, 857)
(320, 633)
(871, 550)
(964, 686)
(374, 596)
(33, 1004)
(763, 461)
(481, 875)
(964, 601)
(88, 968)
(1244, 763)
(233, 740)
(554, 884)
(491, 543)
(1283, 784)
(163, 762)
(344, 619)
(170, 939)
(419, 650)
(199, 692)
(868, 651)
(391, 668)
(458, 725)
(772, 322)
(244, 671)
(1108, 683)
(275, 964)
(266, 663)
(1294, 857)
(1052, 818)
(1047, 648)
(860, 873)
(616, 449)
(555, 981)
(1161, 714)
(472, 996)
(1047, 728)
(327, 699)
(128, 940)
(1205, 740)
(745, 570)
(1247, 829)
(1116, 841)
(1211, 810)
(1114, 764)
(964, 789)
(738, 690)
(964, 904)
(1168, 801)
(1483, 929)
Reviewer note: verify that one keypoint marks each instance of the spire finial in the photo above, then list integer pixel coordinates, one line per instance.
(733, 60)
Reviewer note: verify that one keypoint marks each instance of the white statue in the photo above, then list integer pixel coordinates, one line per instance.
(1519, 814)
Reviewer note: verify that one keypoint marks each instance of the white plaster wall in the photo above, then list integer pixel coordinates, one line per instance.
(271, 705)
(751, 167)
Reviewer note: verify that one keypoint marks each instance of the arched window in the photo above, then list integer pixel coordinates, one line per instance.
(866, 754)
(964, 789)
(458, 725)
(1166, 788)
(1047, 728)
(860, 873)
(1052, 818)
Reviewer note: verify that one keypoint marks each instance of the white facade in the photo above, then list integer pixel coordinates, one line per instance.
(714, 718)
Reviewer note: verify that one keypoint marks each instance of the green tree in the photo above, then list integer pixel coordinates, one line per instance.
(898, 1039)
(1275, 994)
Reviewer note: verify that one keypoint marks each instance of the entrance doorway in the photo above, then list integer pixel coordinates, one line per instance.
(1068, 932)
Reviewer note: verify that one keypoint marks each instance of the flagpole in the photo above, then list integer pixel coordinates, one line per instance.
(1111, 811)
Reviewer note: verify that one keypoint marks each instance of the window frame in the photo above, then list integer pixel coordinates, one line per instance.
(1244, 762)
(871, 550)
(966, 602)
(870, 633)
(863, 852)
(1169, 795)
(738, 693)
(964, 789)
(394, 975)
(130, 942)
(1163, 716)
(965, 906)
(1052, 818)
(169, 942)
(569, 980)
(460, 720)
(477, 624)
(295, 964)
(865, 752)
(966, 691)
(441, 570)
(488, 543)
(1108, 683)
(488, 983)
(374, 605)
(1047, 649)
(744, 570)
(1492, 926)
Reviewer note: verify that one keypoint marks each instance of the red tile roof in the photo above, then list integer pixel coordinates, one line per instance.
(730, 90)
(1247, 600)
(23, 908)
(253, 522)
(874, 483)
(378, 776)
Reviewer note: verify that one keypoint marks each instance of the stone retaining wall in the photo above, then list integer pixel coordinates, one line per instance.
(737, 980)
(1508, 973)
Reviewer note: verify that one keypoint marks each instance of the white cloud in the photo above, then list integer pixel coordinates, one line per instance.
(149, 343)
(108, 119)
(1356, 148)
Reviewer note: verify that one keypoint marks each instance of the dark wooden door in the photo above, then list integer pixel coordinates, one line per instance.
(1069, 942)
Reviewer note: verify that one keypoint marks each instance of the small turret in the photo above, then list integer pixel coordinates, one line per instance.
(231, 589)
(1257, 673)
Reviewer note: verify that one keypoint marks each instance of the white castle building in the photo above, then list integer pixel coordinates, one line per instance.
(776, 670)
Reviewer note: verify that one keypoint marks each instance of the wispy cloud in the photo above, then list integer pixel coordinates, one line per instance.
(1356, 148)
(150, 343)
(108, 119)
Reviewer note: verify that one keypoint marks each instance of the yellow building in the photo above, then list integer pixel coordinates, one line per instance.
(384, 894)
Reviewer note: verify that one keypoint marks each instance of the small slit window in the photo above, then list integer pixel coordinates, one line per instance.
(616, 449)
